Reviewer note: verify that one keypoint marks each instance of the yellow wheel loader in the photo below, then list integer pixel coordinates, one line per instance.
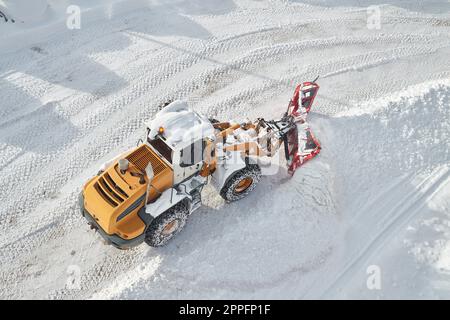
(147, 193)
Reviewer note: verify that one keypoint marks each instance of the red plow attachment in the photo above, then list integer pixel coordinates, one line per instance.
(297, 154)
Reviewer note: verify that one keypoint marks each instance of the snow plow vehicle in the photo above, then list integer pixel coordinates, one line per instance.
(147, 193)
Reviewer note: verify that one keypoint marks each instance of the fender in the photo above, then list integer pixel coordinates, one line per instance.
(167, 200)
(226, 168)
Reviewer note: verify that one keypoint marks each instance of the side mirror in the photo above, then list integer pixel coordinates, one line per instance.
(150, 174)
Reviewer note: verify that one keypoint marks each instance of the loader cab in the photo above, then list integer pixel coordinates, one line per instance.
(185, 160)
(188, 159)
(180, 136)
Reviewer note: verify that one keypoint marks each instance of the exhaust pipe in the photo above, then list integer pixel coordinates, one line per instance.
(123, 165)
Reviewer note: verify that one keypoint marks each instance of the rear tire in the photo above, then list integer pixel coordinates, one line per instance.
(164, 227)
(241, 183)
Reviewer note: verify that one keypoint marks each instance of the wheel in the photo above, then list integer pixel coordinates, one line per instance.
(241, 183)
(167, 225)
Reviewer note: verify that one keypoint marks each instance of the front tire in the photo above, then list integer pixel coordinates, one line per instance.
(241, 183)
(164, 227)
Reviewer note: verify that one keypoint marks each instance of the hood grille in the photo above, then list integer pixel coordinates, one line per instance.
(113, 185)
(107, 197)
(110, 191)
(142, 156)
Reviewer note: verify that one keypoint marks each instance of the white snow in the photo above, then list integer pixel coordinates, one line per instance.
(377, 195)
(181, 126)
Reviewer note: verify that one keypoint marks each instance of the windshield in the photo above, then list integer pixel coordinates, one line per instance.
(161, 147)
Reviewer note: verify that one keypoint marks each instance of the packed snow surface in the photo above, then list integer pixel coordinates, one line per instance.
(374, 203)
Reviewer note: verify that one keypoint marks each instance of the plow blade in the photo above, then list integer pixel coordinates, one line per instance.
(299, 151)
(302, 100)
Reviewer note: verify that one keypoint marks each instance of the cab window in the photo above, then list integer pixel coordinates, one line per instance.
(192, 154)
(159, 145)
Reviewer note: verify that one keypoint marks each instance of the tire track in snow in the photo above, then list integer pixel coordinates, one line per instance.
(242, 63)
(329, 69)
(141, 71)
(52, 233)
(247, 94)
(404, 210)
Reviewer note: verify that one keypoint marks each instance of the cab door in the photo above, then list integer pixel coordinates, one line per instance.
(191, 160)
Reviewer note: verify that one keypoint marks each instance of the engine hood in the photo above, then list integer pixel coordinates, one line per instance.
(112, 197)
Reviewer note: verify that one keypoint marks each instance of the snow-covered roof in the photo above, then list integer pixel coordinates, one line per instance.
(182, 125)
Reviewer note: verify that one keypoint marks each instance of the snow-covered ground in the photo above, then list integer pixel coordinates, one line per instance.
(377, 198)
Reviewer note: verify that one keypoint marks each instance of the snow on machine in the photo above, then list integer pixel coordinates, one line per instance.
(147, 193)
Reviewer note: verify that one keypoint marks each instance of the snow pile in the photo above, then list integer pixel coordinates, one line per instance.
(128, 281)
(180, 124)
(394, 173)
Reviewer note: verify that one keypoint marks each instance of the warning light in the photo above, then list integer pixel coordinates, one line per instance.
(161, 130)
